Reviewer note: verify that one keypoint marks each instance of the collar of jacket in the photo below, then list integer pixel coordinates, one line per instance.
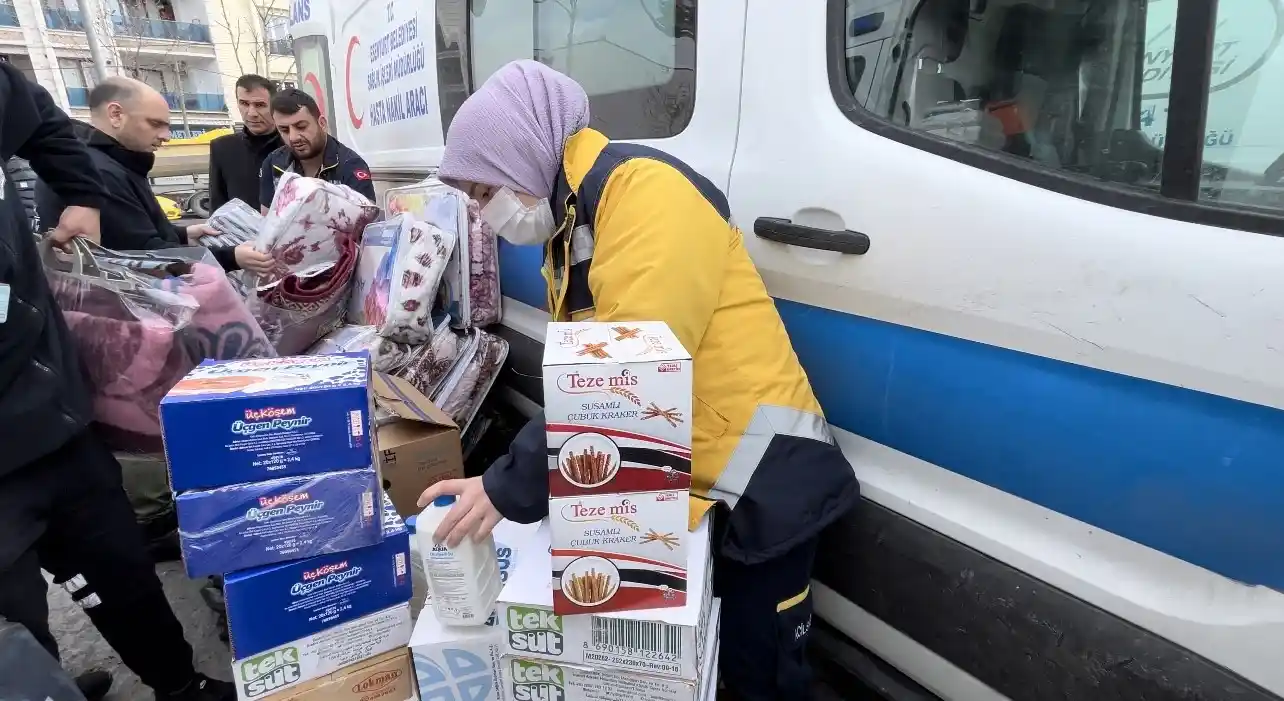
(139, 162)
(568, 294)
(329, 158)
(262, 144)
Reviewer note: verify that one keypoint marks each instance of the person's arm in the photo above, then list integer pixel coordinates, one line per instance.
(517, 483)
(218, 182)
(356, 175)
(226, 257)
(661, 251)
(128, 226)
(36, 129)
(266, 186)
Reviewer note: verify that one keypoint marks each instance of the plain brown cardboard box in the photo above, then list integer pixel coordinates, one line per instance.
(417, 450)
(388, 677)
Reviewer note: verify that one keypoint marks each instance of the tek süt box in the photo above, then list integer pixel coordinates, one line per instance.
(261, 523)
(328, 651)
(661, 642)
(541, 680)
(252, 420)
(268, 606)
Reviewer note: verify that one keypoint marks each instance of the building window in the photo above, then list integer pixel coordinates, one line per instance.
(636, 60)
(276, 32)
(1077, 88)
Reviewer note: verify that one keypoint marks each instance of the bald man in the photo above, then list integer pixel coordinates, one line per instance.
(129, 121)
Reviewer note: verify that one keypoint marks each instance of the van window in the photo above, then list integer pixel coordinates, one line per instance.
(1074, 86)
(1244, 142)
(635, 59)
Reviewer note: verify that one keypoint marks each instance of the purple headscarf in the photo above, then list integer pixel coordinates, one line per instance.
(512, 131)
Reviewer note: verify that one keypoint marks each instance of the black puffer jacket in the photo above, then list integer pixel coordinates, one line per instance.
(132, 218)
(24, 178)
(44, 400)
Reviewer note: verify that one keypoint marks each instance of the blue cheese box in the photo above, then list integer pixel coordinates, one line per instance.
(260, 523)
(253, 420)
(268, 606)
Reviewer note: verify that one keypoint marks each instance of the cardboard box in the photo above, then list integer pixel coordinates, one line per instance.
(260, 523)
(468, 663)
(663, 642)
(267, 606)
(386, 678)
(419, 448)
(297, 662)
(617, 404)
(253, 420)
(457, 662)
(540, 680)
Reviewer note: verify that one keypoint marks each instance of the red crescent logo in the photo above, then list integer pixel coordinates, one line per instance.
(347, 83)
(311, 79)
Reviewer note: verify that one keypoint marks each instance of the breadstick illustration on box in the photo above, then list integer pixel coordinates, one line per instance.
(618, 409)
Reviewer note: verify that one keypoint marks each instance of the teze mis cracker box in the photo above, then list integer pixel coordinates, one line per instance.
(252, 420)
(322, 653)
(259, 523)
(617, 400)
(268, 606)
(661, 642)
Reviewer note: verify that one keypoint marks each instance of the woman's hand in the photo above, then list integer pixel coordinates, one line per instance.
(472, 514)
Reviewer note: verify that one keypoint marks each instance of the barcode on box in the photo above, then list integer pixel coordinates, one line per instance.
(355, 423)
(638, 636)
(367, 504)
(401, 564)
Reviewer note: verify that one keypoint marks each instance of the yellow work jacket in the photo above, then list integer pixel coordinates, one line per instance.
(642, 237)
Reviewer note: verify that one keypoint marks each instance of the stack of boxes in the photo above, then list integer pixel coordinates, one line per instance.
(273, 466)
(628, 611)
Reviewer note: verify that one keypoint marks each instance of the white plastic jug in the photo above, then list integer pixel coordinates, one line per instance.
(464, 580)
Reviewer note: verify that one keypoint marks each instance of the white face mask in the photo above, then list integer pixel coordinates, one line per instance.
(519, 224)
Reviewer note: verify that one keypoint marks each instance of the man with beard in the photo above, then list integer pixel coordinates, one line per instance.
(308, 150)
(235, 159)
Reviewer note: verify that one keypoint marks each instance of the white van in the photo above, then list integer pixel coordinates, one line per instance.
(1029, 253)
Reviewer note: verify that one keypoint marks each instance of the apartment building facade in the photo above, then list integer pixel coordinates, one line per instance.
(191, 51)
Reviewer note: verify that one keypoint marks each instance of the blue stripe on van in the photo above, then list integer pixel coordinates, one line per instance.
(1194, 475)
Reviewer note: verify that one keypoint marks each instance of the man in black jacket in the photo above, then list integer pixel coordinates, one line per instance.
(235, 159)
(308, 150)
(62, 508)
(129, 121)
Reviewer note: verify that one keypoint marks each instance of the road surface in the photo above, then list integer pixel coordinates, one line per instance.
(84, 649)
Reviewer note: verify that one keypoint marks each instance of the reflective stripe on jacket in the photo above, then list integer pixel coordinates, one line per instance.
(643, 237)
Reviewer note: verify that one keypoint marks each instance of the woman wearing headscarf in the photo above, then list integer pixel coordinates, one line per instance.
(633, 234)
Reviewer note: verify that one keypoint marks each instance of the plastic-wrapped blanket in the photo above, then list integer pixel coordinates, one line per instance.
(372, 281)
(430, 363)
(399, 281)
(385, 355)
(446, 208)
(298, 310)
(235, 222)
(461, 394)
(485, 302)
(306, 229)
(139, 331)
